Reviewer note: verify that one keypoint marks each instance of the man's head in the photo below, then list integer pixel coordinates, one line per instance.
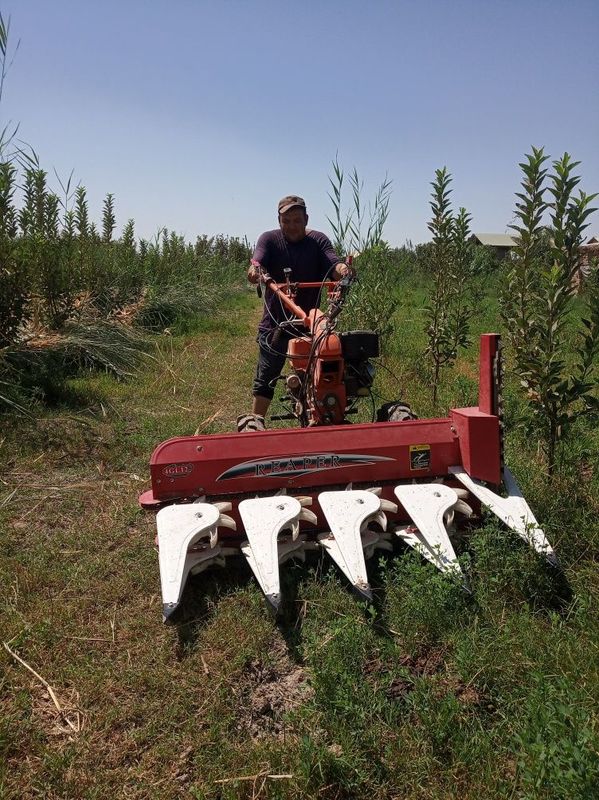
(293, 217)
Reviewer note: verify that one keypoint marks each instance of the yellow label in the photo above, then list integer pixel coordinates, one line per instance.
(420, 456)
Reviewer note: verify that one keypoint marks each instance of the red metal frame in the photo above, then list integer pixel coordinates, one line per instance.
(305, 460)
(487, 388)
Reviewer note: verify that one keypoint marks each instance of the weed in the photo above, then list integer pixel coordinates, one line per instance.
(348, 225)
(423, 606)
(556, 742)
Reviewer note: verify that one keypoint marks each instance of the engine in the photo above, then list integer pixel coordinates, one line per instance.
(357, 348)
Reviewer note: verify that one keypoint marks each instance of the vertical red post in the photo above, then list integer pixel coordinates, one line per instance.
(487, 399)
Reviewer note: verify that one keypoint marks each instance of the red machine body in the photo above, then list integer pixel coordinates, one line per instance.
(351, 486)
(329, 451)
(304, 460)
(228, 463)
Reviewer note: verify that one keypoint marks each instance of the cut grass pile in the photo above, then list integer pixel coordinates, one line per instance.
(429, 693)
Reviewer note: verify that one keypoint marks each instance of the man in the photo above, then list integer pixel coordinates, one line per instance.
(311, 257)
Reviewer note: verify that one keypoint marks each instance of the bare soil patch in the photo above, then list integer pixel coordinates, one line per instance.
(269, 689)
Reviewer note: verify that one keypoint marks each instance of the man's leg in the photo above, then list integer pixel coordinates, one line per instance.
(271, 360)
(260, 405)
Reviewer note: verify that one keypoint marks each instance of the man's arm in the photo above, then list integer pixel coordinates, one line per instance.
(259, 259)
(335, 265)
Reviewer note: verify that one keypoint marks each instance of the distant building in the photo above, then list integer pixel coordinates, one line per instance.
(588, 254)
(500, 243)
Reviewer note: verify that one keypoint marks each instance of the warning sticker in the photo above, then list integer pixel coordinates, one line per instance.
(420, 456)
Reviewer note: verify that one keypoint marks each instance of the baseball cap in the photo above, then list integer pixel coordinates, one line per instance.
(291, 201)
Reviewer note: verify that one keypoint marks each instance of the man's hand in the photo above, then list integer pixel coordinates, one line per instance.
(341, 270)
(254, 274)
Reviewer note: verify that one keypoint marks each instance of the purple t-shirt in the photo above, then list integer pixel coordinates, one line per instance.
(310, 259)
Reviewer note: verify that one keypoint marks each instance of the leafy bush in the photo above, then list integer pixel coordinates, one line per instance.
(556, 359)
(372, 301)
(422, 604)
(555, 742)
(14, 279)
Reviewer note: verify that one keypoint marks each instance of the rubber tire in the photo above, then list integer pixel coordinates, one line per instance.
(395, 411)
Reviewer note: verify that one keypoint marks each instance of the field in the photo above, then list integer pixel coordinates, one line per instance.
(429, 693)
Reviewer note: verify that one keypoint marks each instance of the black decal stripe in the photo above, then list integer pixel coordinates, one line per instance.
(248, 468)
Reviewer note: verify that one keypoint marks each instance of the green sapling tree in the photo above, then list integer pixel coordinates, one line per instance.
(555, 355)
(108, 218)
(449, 309)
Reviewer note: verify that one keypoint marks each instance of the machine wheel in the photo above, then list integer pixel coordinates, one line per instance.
(247, 423)
(395, 411)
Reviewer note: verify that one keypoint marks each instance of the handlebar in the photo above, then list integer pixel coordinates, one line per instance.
(337, 291)
(301, 284)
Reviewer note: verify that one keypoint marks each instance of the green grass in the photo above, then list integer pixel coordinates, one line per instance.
(429, 693)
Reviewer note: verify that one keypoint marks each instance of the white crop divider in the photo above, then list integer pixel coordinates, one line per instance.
(179, 528)
(427, 504)
(348, 513)
(264, 518)
(512, 510)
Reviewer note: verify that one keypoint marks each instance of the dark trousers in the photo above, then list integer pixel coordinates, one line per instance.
(271, 360)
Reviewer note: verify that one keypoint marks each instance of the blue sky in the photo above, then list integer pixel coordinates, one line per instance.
(200, 114)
